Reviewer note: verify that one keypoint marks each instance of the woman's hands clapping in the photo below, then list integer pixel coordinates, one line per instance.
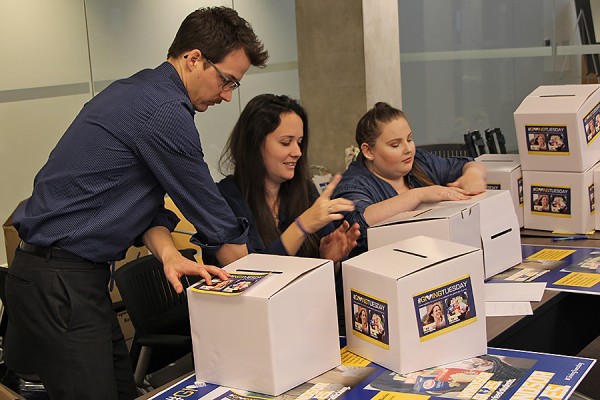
(337, 245)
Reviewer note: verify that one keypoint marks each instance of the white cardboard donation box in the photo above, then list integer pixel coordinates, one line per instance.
(415, 304)
(557, 128)
(487, 220)
(277, 334)
(504, 173)
(560, 201)
(499, 228)
(457, 223)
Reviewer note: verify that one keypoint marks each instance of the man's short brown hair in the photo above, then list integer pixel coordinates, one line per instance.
(216, 32)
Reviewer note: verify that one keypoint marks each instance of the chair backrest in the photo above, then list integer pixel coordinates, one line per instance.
(446, 149)
(153, 305)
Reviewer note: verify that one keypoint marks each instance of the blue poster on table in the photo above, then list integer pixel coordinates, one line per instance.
(499, 374)
(568, 269)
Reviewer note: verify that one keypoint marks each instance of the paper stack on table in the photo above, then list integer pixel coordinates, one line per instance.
(505, 299)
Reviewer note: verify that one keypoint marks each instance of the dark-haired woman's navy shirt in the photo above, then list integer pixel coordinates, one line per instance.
(365, 188)
(230, 191)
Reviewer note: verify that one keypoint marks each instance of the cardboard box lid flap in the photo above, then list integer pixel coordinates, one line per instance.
(516, 158)
(285, 271)
(427, 212)
(402, 217)
(548, 99)
(403, 258)
(580, 91)
(501, 165)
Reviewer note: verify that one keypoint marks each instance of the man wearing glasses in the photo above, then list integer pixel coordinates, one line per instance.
(102, 190)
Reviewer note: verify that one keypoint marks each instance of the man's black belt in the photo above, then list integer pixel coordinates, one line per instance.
(51, 252)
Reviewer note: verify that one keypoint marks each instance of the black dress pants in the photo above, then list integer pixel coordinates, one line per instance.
(62, 312)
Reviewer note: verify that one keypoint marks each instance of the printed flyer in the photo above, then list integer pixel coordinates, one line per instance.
(591, 123)
(445, 308)
(498, 375)
(568, 269)
(236, 284)
(552, 201)
(370, 316)
(547, 140)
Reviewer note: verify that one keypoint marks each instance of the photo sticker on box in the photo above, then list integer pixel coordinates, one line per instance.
(591, 124)
(370, 319)
(236, 284)
(549, 140)
(520, 188)
(445, 308)
(551, 201)
(591, 194)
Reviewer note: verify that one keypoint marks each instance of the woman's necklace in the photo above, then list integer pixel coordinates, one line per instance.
(275, 211)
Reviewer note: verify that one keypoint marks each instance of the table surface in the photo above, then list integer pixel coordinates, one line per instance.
(497, 326)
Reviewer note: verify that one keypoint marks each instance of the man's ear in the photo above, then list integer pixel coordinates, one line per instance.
(365, 149)
(192, 57)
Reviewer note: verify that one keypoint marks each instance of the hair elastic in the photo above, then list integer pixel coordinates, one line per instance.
(304, 231)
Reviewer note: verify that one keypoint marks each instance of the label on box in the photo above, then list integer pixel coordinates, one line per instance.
(551, 201)
(370, 318)
(445, 308)
(520, 188)
(493, 186)
(591, 197)
(591, 122)
(547, 140)
(236, 284)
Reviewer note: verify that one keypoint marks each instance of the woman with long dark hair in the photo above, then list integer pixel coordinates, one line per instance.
(391, 175)
(271, 187)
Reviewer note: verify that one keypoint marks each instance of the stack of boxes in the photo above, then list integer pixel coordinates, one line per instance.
(557, 129)
(504, 173)
(486, 221)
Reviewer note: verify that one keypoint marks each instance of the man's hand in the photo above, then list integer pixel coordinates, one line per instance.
(175, 266)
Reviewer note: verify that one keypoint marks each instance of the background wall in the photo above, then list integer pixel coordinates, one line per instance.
(468, 64)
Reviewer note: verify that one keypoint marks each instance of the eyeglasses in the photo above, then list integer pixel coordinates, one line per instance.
(229, 84)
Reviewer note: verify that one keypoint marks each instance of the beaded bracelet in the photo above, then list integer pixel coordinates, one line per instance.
(304, 231)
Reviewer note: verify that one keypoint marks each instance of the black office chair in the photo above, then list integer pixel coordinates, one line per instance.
(446, 149)
(159, 315)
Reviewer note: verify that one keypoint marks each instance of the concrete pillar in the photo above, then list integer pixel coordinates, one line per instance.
(348, 59)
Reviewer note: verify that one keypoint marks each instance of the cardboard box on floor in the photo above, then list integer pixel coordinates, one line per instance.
(276, 335)
(8, 394)
(393, 294)
(11, 237)
(126, 324)
(557, 128)
(504, 173)
(184, 229)
(560, 201)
